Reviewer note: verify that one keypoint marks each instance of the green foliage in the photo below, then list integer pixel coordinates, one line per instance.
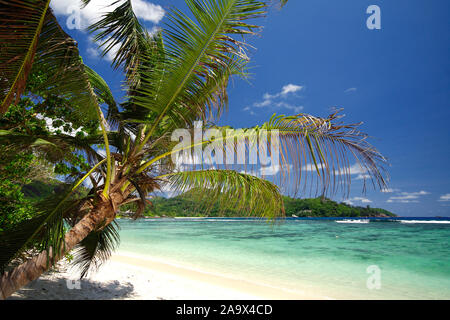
(14, 207)
(173, 78)
(323, 207)
(37, 48)
(229, 190)
(96, 248)
(38, 190)
(186, 205)
(23, 169)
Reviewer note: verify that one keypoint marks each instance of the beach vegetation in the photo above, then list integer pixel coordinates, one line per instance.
(173, 78)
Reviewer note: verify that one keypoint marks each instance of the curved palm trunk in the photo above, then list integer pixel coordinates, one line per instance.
(33, 268)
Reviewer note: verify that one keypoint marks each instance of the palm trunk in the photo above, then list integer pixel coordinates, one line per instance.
(33, 268)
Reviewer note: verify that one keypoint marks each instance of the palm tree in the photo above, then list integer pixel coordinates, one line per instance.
(173, 78)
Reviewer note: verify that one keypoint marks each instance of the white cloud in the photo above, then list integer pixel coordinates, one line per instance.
(268, 96)
(357, 199)
(290, 88)
(274, 99)
(415, 194)
(263, 103)
(312, 167)
(153, 30)
(273, 170)
(362, 177)
(144, 10)
(389, 190)
(402, 200)
(147, 11)
(82, 18)
(357, 169)
(350, 90)
(111, 54)
(251, 172)
(93, 53)
(445, 197)
(354, 169)
(407, 197)
(285, 105)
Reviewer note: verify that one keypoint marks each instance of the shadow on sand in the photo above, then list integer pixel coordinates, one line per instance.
(85, 289)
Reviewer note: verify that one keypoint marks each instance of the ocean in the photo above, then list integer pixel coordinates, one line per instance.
(377, 260)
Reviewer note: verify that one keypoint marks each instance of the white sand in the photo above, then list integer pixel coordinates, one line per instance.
(129, 277)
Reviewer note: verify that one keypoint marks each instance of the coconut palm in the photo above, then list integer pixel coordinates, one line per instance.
(174, 78)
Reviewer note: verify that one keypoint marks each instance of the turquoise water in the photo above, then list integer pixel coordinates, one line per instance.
(324, 257)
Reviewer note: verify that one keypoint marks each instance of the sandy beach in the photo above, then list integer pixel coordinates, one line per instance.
(131, 277)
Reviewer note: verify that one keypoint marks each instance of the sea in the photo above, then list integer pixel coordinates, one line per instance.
(403, 258)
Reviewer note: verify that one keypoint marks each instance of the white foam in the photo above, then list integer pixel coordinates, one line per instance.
(425, 221)
(353, 221)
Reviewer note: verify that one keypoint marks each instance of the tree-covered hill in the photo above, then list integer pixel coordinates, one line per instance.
(38, 190)
(184, 206)
(322, 207)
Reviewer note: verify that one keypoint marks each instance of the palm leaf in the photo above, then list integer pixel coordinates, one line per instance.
(21, 22)
(53, 58)
(103, 93)
(137, 52)
(242, 192)
(329, 146)
(120, 30)
(199, 54)
(96, 248)
(61, 69)
(314, 152)
(53, 147)
(44, 231)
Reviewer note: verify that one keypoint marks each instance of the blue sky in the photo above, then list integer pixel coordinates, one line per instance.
(396, 80)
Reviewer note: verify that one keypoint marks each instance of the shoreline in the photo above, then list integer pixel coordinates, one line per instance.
(257, 289)
(127, 276)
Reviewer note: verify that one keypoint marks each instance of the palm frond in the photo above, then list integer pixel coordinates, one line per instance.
(200, 54)
(53, 147)
(245, 193)
(52, 57)
(138, 52)
(59, 65)
(141, 200)
(303, 150)
(120, 30)
(45, 231)
(42, 232)
(96, 248)
(21, 22)
(327, 147)
(103, 93)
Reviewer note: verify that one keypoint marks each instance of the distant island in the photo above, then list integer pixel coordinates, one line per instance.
(182, 206)
(185, 206)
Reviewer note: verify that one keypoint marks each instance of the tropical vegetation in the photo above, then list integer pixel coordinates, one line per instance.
(186, 205)
(173, 78)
